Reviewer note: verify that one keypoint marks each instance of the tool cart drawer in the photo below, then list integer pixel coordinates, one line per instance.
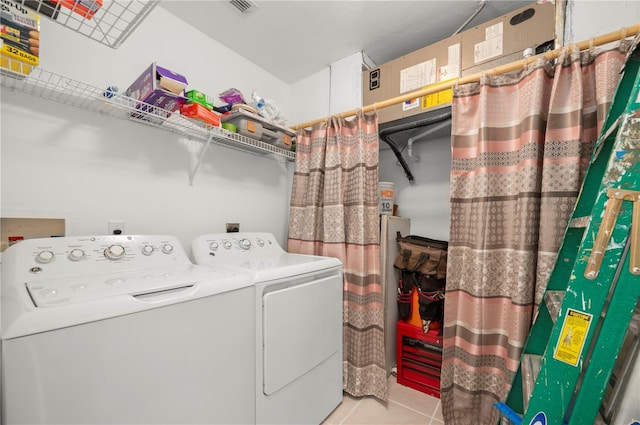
(419, 357)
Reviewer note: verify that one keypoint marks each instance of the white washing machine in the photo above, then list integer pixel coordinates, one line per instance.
(298, 321)
(122, 330)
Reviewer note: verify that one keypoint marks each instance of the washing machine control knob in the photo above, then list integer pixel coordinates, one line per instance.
(260, 242)
(114, 252)
(45, 257)
(167, 248)
(147, 250)
(76, 254)
(244, 243)
(226, 244)
(214, 246)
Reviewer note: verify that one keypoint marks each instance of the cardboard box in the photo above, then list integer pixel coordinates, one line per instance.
(377, 86)
(14, 229)
(159, 87)
(19, 37)
(432, 64)
(485, 46)
(197, 111)
(503, 40)
(199, 97)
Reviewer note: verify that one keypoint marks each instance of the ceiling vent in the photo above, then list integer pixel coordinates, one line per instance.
(244, 6)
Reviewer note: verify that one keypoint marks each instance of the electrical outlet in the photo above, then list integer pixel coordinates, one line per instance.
(115, 227)
(233, 227)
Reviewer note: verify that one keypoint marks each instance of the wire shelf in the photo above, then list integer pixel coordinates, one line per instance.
(111, 24)
(55, 87)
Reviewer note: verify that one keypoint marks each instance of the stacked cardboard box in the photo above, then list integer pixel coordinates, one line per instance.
(159, 87)
(494, 43)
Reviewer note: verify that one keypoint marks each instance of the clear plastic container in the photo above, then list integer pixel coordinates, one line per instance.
(256, 127)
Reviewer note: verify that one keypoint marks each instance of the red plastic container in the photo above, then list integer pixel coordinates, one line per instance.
(197, 111)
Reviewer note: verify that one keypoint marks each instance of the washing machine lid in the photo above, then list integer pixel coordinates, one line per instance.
(52, 283)
(256, 254)
(75, 289)
(273, 267)
(46, 305)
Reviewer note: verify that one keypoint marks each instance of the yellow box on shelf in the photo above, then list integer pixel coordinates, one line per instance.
(19, 36)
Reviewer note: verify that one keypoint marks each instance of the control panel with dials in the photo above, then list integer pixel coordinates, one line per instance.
(233, 245)
(60, 271)
(69, 256)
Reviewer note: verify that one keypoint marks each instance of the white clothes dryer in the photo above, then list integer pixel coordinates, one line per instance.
(298, 323)
(123, 330)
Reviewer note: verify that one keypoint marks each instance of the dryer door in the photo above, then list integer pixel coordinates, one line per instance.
(302, 327)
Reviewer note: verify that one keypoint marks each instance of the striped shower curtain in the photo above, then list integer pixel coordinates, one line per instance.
(334, 212)
(520, 146)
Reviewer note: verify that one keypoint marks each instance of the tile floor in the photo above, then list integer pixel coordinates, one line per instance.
(405, 406)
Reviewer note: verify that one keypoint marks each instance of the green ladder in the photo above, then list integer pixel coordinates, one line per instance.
(595, 285)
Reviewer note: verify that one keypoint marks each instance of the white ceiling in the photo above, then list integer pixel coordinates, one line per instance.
(295, 39)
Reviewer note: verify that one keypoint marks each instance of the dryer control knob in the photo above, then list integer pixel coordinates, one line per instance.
(45, 257)
(147, 250)
(114, 252)
(260, 242)
(244, 243)
(226, 244)
(76, 254)
(213, 246)
(167, 248)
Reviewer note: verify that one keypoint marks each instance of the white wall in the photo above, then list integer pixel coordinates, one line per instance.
(588, 18)
(346, 84)
(310, 97)
(60, 161)
(426, 202)
(335, 89)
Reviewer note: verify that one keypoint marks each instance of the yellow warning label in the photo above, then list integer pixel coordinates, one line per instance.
(440, 98)
(572, 337)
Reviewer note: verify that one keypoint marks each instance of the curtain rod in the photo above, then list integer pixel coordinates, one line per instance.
(473, 78)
